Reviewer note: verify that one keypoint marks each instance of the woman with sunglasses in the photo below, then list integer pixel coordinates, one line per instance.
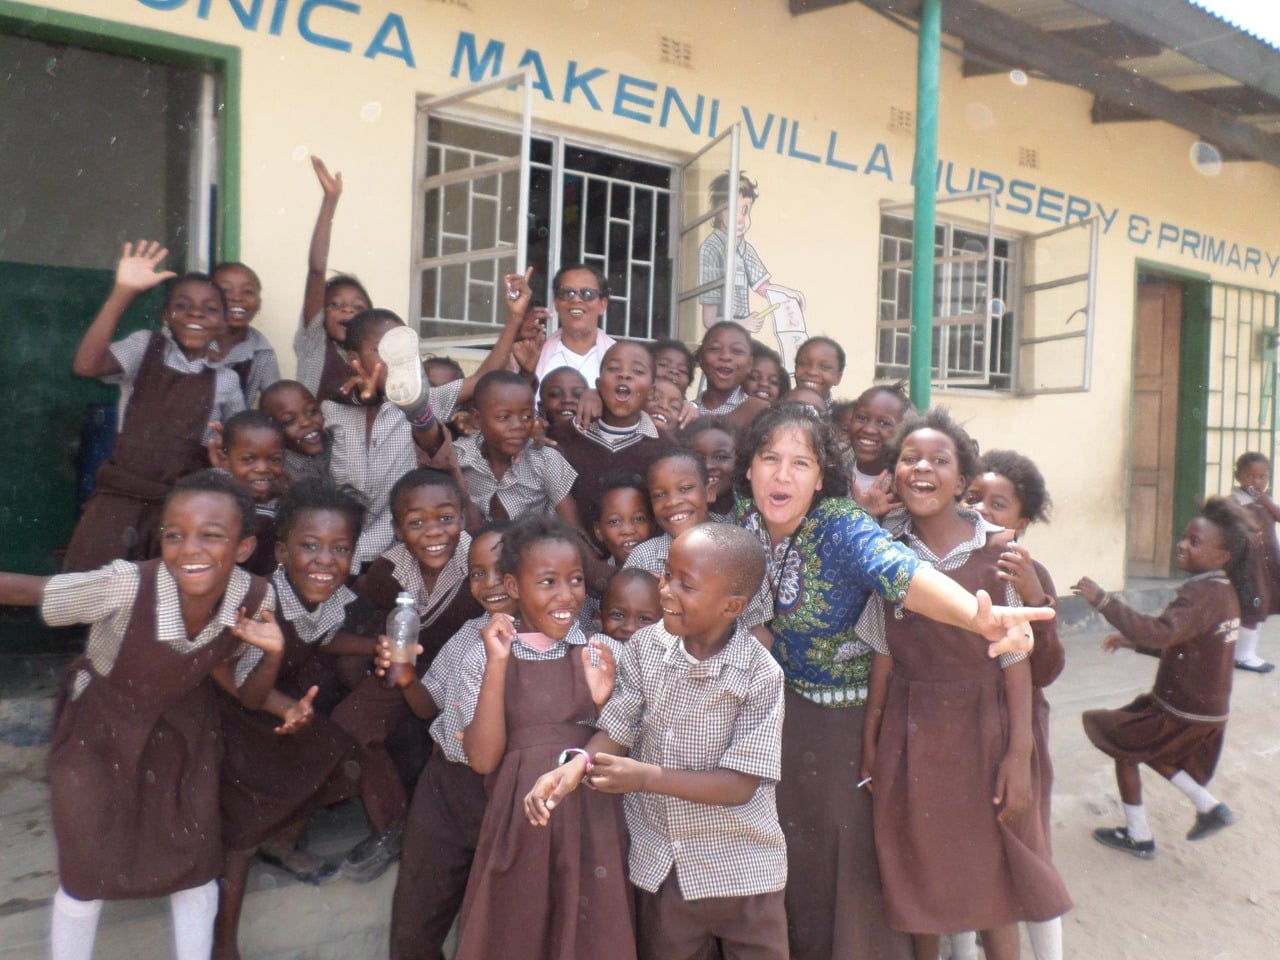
(581, 296)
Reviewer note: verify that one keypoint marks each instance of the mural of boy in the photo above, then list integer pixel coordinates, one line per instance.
(786, 305)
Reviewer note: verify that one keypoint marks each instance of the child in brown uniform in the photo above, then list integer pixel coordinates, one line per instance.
(1253, 483)
(1178, 728)
(252, 451)
(136, 744)
(692, 738)
(169, 391)
(948, 729)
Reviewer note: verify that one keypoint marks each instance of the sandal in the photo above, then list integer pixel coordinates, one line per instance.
(302, 866)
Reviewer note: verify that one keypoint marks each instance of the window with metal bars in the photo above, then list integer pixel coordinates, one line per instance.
(972, 317)
(601, 207)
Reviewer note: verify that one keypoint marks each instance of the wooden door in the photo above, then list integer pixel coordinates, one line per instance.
(1154, 428)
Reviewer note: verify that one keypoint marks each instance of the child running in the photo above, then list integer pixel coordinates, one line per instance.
(241, 347)
(169, 392)
(1252, 493)
(286, 760)
(1009, 491)
(692, 738)
(1179, 727)
(947, 746)
(533, 689)
(133, 765)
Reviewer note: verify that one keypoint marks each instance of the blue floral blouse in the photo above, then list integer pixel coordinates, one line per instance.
(821, 577)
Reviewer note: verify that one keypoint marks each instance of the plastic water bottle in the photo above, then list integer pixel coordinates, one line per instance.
(402, 631)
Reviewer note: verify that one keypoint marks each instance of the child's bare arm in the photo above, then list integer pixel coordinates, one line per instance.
(877, 693)
(485, 740)
(1180, 621)
(720, 787)
(21, 590)
(1013, 778)
(136, 273)
(262, 632)
(318, 253)
(415, 694)
(344, 643)
(500, 355)
(554, 785)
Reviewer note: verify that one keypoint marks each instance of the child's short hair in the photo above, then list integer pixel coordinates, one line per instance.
(702, 425)
(816, 428)
(248, 420)
(315, 495)
(1028, 481)
(501, 525)
(720, 325)
(736, 553)
(1249, 459)
(492, 381)
(193, 276)
(561, 371)
(762, 351)
(621, 479)
(365, 322)
(670, 343)
(347, 280)
(629, 574)
(748, 189)
(1237, 538)
(218, 481)
(237, 265)
(601, 280)
(897, 389)
(531, 530)
(680, 453)
(279, 387)
(452, 364)
(842, 408)
(940, 419)
(643, 348)
(814, 341)
(421, 477)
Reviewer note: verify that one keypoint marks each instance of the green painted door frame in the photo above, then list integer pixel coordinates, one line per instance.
(1193, 386)
(108, 36)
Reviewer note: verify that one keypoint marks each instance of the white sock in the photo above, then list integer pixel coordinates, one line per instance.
(193, 913)
(964, 946)
(75, 927)
(1046, 939)
(1247, 646)
(1135, 821)
(1202, 798)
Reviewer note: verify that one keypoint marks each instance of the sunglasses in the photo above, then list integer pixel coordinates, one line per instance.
(586, 294)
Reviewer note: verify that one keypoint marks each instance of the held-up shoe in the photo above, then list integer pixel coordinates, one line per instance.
(1117, 838)
(370, 858)
(406, 384)
(1211, 822)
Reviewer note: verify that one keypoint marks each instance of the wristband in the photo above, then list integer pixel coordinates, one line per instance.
(572, 752)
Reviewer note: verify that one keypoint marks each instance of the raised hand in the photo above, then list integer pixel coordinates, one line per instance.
(497, 635)
(364, 385)
(527, 350)
(601, 669)
(300, 714)
(535, 324)
(518, 292)
(261, 631)
(138, 268)
(1116, 642)
(1015, 567)
(1006, 628)
(589, 408)
(214, 446)
(1090, 590)
(879, 498)
(330, 183)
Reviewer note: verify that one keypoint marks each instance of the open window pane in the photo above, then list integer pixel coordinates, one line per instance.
(1055, 343)
(708, 214)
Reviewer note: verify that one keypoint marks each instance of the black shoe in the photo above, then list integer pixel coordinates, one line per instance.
(1260, 667)
(1211, 822)
(303, 866)
(370, 858)
(1117, 838)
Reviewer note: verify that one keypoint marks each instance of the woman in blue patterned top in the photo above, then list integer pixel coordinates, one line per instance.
(825, 557)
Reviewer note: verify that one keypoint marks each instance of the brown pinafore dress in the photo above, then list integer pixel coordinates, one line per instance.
(162, 440)
(946, 863)
(558, 892)
(270, 780)
(134, 763)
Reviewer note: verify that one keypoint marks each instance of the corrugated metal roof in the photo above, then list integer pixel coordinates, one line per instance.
(1213, 10)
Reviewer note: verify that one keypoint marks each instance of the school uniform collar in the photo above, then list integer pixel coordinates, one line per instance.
(736, 654)
(170, 626)
(614, 438)
(574, 638)
(316, 625)
(1209, 575)
(408, 573)
(978, 540)
(471, 455)
(175, 358)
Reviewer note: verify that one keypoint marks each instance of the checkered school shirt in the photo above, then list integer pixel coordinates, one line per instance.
(441, 683)
(731, 403)
(408, 573)
(312, 626)
(227, 396)
(470, 672)
(309, 346)
(684, 714)
(104, 598)
(265, 369)
(371, 468)
(537, 480)
(870, 626)
(299, 466)
(652, 556)
(749, 272)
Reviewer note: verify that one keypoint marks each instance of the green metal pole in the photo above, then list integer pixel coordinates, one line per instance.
(924, 177)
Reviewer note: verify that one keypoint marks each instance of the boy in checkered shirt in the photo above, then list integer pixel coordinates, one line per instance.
(692, 737)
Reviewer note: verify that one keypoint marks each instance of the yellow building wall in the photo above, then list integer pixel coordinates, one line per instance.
(832, 77)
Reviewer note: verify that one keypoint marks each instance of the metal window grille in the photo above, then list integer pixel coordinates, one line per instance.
(1241, 396)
